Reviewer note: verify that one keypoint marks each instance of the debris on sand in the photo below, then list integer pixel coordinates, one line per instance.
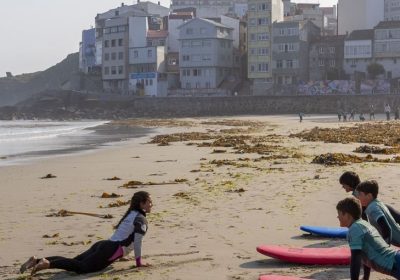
(376, 150)
(135, 184)
(339, 159)
(218, 151)
(386, 133)
(180, 180)
(164, 140)
(115, 178)
(186, 196)
(66, 213)
(112, 195)
(240, 190)
(48, 176)
(117, 203)
(51, 236)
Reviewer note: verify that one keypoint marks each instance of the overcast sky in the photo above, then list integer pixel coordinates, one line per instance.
(36, 34)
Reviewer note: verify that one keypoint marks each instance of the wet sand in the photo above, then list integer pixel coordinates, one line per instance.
(207, 227)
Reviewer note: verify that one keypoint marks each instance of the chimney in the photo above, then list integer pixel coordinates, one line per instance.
(159, 3)
(122, 4)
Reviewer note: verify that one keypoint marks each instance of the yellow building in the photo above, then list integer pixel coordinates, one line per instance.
(261, 15)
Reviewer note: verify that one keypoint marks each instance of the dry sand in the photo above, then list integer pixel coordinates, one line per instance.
(210, 230)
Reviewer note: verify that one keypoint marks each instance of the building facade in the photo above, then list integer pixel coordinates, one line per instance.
(87, 51)
(205, 54)
(290, 51)
(358, 52)
(359, 15)
(392, 9)
(387, 47)
(326, 58)
(260, 16)
(210, 8)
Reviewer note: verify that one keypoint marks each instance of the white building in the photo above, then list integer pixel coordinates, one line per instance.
(387, 47)
(147, 71)
(209, 8)
(392, 9)
(359, 14)
(358, 51)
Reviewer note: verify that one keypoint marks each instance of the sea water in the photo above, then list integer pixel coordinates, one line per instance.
(23, 138)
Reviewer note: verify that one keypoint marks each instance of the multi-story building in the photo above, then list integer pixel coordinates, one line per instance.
(392, 9)
(205, 54)
(359, 15)
(147, 71)
(326, 58)
(260, 16)
(358, 52)
(87, 50)
(210, 8)
(387, 47)
(330, 15)
(290, 50)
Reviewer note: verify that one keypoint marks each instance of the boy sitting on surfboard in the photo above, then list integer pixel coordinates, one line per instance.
(365, 243)
(377, 213)
(349, 181)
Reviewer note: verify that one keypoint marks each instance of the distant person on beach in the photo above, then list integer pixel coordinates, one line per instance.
(366, 244)
(377, 213)
(301, 115)
(361, 117)
(387, 111)
(397, 113)
(339, 115)
(371, 112)
(351, 115)
(344, 116)
(127, 237)
(350, 180)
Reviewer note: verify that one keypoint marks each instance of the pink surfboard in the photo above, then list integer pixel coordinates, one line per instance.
(279, 277)
(321, 256)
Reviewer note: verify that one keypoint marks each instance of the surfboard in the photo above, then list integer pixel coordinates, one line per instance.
(320, 256)
(279, 277)
(335, 232)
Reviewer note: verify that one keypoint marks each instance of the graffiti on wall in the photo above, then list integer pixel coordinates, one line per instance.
(343, 87)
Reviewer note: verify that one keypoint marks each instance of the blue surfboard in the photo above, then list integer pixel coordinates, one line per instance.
(335, 232)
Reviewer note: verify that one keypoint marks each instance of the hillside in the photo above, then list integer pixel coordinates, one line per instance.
(63, 75)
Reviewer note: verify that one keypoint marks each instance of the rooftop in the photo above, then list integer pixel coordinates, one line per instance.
(388, 24)
(363, 34)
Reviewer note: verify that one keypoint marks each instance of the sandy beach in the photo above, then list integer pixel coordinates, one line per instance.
(212, 204)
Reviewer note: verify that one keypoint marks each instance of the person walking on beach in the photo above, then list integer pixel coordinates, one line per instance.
(128, 236)
(371, 112)
(301, 115)
(351, 115)
(387, 111)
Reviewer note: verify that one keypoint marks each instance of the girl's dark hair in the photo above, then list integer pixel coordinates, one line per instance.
(350, 178)
(350, 205)
(137, 199)
(370, 186)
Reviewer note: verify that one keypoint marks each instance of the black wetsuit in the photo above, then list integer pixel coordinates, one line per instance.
(104, 252)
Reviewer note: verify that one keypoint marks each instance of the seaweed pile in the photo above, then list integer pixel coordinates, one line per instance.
(164, 140)
(340, 159)
(365, 149)
(387, 133)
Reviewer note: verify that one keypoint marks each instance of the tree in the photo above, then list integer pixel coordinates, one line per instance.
(374, 69)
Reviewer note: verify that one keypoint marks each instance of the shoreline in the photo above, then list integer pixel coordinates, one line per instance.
(203, 228)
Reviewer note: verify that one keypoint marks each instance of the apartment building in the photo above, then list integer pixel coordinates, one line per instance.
(290, 50)
(87, 51)
(387, 47)
(358, 54)
(359, 15)
(147, 71)
(205, 54)
(326, 58)
(392, 9)
(260, 16)
(210, 8)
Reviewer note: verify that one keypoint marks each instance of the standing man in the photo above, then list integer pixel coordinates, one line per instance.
(387, 111)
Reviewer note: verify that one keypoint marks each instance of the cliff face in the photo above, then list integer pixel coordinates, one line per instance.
(63, 75)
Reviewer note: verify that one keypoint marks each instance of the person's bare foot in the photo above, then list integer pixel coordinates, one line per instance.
(42, 264)
(31, 262)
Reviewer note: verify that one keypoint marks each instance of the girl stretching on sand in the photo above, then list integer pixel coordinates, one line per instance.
(127, 237)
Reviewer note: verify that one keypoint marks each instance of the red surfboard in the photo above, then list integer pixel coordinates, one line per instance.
(279, 277)
(321, 256)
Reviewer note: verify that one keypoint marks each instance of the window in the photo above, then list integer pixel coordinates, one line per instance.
(113, 70)
(149, 53)
(149, 43)
(120, 55)
(321, 62)
(203, 30)
(189, 31)
(253, 37)
(106, 70)
(197, 43)
(113, 43)
(206, 43)
(208, 84)
(151, 82)
(206, 57)
(263, 51)
(321, 50)
(172, 61)
(135, 54)
(253, 51)
(196, 57)
(252, 7)
(289, 63)
(161, 42)
(106, 56)
(185, 44)
(120, 42)
(262, 36)
(279, 64)
(197, 84)
(262, 21)
(186, 58)
(188, 85)
(106, 43)
(252, 22)
(252, 68)
(263, 67)
(332, 63)
(262, 6)
(120, 69)
(281, 31)
(113, 56)
(122, 28)
(332, 50)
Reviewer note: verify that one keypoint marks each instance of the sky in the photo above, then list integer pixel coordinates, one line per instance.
(37, 34)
